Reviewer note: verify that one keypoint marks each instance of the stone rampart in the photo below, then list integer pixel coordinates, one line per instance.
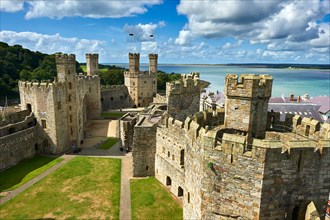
(115, 97)
(127, 123)
(14, 117)
(17, 146)
(27, 122)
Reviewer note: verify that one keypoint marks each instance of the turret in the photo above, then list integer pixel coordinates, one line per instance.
(247, 103)
(66, 67)
(92, 64)
(153, 62)
(134, 62)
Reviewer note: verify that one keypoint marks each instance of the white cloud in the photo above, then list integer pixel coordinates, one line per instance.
(283, 25)
(184, 37)
(54, 43)
(69, 8)
(11, 5)
(142, 32)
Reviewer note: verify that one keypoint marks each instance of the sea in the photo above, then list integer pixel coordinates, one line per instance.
(286, 81)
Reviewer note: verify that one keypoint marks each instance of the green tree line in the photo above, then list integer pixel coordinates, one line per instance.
(18, 63)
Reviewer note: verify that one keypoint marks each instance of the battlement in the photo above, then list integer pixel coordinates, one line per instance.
(92, 56)
(188, 83)
(153, 56)
(65, 58)
(248, 86)
(35, 84)
(133, 55)
(113, 87)
(91, 77)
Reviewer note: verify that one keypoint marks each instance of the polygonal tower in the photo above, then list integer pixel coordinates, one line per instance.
(153, 62)
(66, 73)
(247, 103)
(92, 64)
(134, 62)
(141, 85)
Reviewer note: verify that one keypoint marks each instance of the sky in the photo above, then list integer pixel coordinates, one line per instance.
(179, 31)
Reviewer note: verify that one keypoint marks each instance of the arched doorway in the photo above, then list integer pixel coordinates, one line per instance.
(29, 107)
(168, 181)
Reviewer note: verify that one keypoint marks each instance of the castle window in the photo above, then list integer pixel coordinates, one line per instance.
(172, 157)
(188, 197)
(168, 154)
(133, 83)
(70, 118)
(145, 82)
(101, 99)
(43, 123)
(69, 98)
(180, 191)
(90, 89)
(69, 72)
(147, 168)
(70, 85)
(168, 181)
(58, 105)
(182, 157)
(70, 107)
(111, 98)
(154, 82)
(121, 97)
(29, 108)
(236, 108)
(71, 131)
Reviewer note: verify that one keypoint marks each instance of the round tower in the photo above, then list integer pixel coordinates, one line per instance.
(92, 64)
(153, 62)
(134, 62)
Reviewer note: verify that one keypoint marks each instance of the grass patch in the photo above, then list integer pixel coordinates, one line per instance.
(84, 188)
(26, 170)
(149, 200)
(112, 115)
(102, 70)
(108, 143)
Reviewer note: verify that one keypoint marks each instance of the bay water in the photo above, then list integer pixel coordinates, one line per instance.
(286, 81)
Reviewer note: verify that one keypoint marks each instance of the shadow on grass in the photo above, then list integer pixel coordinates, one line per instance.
(24, 171)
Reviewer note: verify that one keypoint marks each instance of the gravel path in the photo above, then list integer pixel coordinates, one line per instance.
(125, 193)
(15, 192)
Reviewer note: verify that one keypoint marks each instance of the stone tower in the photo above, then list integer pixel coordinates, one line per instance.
(92, 64)
(247, 103)
(153, 62)
(66, 73)
(141, 85)
(134, 62)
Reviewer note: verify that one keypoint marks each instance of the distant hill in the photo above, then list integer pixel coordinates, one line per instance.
(18, 63)
(281, 65)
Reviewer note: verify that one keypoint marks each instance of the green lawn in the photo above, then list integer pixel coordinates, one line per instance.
(84, 188)
(26, 170)
(84, 68)
(112, 115)
(108, 143)
(149, 200)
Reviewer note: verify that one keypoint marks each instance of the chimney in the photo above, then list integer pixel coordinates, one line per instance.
(292, 98)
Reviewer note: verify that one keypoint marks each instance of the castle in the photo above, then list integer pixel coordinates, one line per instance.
(236, 162)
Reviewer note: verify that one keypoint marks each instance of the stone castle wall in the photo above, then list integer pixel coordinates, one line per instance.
(183, 96)
(115, 97)
(19, 144)
(144, 148)
(127, 123)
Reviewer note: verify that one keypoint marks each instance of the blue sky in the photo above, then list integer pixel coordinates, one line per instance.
(184, 31)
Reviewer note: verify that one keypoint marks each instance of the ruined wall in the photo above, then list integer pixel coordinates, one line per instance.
(292, 181)
(183, 96)
(169, 162)
(115, 97)
(144, 148)
(127, 123)
(17, 146)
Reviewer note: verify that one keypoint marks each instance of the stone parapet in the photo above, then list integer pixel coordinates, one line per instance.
(65, 58)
